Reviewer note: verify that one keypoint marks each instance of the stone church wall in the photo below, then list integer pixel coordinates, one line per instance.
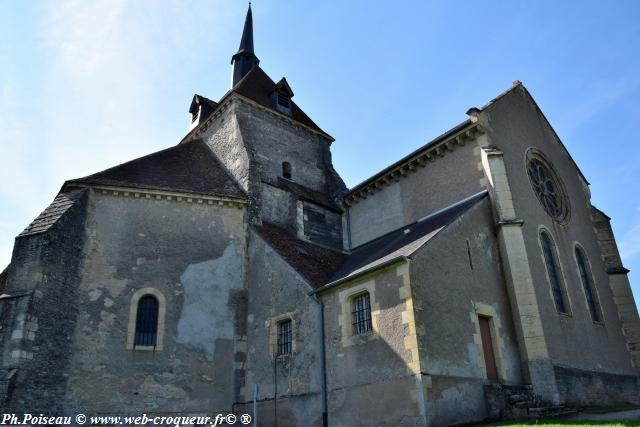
(439, 184)
(276, 292)
(374, 378)
(40, 316)
(455, 278)
(193, 255)
(574, 341)
(274, 141)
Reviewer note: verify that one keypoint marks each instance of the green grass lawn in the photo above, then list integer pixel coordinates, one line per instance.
(554, 423)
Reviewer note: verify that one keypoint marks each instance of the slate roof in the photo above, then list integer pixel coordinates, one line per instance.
(401, 243)
(201, 100)
(314, 263)
(323, 268)
(53, 212)
(187, 168)
(258, 87)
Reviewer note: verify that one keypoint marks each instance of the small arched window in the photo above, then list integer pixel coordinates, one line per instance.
(361, 313)
(286, 170)
(554, 273)
(147, 322)
(587, 284)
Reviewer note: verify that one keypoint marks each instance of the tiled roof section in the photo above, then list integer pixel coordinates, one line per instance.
(258, 87)
(402, 242)
(304, 193)
(53, 212)
(187, 168)
(314, 263)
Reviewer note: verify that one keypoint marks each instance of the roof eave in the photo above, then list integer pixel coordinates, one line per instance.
(331, 285)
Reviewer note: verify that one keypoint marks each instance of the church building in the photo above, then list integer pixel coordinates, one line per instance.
(472, 279)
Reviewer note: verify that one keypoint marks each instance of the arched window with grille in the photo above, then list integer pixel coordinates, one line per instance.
(587, 285)
(147, 322)
(554, 273)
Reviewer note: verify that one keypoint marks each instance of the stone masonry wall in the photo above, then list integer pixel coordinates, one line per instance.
(457, 277)
(189, 252)
(43, 278)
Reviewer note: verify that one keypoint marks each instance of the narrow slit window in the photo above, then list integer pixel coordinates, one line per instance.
(147, 322)
(285, 336)
(361, 312)
(286, 170)
(553, 270)
(587, 283)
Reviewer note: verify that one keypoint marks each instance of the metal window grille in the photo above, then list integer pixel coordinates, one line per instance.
(592, 302)
(147, 321)
(554, 275)
(284, 337)
(361, 313)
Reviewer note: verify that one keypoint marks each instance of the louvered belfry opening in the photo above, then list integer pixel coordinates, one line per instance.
(147, 322)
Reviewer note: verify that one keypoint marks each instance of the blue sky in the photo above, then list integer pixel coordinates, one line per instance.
(85, 85)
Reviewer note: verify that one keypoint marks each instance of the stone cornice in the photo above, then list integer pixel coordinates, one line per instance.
(429, 153)
(139, 193)
(227, 102)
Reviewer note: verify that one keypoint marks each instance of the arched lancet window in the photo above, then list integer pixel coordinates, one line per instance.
(286, 170)
(587, 284)
(147, 322)
(553, 270)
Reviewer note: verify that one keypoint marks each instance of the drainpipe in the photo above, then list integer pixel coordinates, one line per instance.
(323, 363)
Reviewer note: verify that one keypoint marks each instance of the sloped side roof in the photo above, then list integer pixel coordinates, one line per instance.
(187, 168)
(314, 263)
(322, 268)
(402, 242)
(258, 87)
(61, 204)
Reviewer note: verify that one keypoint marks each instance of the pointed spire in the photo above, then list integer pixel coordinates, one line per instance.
(244, 59)
(246, 44)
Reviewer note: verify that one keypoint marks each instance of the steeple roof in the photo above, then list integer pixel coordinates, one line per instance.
(246, 43)
(244, 59)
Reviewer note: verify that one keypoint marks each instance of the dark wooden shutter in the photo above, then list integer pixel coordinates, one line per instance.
(487, 348)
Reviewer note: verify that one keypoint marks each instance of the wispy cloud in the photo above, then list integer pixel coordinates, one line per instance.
(598, 96)
(95, 92)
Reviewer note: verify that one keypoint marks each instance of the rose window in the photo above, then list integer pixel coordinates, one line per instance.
(547, 187)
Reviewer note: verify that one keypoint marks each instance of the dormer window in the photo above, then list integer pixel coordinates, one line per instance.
(194, 114)
(284, 101)
(286, 170)
(281, 97)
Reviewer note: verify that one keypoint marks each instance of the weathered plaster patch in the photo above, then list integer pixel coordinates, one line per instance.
(205, 315)
(94, 294)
